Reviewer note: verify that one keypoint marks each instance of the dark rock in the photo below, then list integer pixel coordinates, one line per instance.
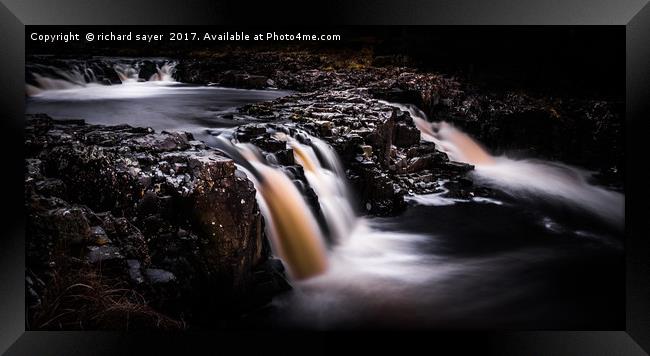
(135, 271)
(406, 135)
(51, 188)
(241, 79)
(147, 69)
(271, 278)
(158, 276)
(98, 236)
(104, 255)
(143, 202)
(269, 144)
(70, 224)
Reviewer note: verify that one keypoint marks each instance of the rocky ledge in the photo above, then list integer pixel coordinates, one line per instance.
(379, 146)
(147, 228)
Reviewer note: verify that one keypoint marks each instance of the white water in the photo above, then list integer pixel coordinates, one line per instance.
(82, 84)
(528, 178)
(292, 227)
(440, 198)
(127, 90)
(385, 278)
(164, 73)
(293, 231)
(330, 185)
(556, 181)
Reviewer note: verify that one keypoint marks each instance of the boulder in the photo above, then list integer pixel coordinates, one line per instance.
(142, 203)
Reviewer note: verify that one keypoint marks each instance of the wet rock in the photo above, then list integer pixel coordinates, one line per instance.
(147, 202)
(158, 276)
(269, 144)
(104, 255)
(51, 188)
(147, 69)
(271, 278)
(241, 79)
(248, 132)
(98, 236)
(406, 135)
(70, 224)
(285, 157)
(135, 272)
(163, 142)
(123, 233)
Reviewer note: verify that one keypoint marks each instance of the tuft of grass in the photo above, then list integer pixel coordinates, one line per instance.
(86, 300)
(348, 59)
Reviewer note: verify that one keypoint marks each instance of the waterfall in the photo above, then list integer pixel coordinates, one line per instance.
(164, 73)
(96, 72)
(328, 182)
(129, 73)
(45, 83)
(448, 139)
(293, 229)
(294, 233)
(531, 178)
(126, 72)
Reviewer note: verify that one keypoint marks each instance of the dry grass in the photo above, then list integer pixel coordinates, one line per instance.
(348, 59)
(86, 300)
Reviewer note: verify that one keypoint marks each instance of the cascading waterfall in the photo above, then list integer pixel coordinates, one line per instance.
(448, 139)
(126, 73)
(66, 79)
(75, 76)
(293, 228)
(328, 183)
(45, 83)
(526, 177)
(164, 73)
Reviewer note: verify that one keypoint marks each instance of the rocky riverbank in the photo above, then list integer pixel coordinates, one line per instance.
(130, 224)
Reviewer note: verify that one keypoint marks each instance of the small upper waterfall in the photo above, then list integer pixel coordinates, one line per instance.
(127, 73)
(526, 177)
(97, 72)
(164, 73)
(455, 143)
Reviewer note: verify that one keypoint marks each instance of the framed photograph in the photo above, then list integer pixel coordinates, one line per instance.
(201, 176)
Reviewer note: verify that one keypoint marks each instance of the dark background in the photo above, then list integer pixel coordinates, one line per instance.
(561, 60)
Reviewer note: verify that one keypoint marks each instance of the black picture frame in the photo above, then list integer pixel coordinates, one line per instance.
(634, 15)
